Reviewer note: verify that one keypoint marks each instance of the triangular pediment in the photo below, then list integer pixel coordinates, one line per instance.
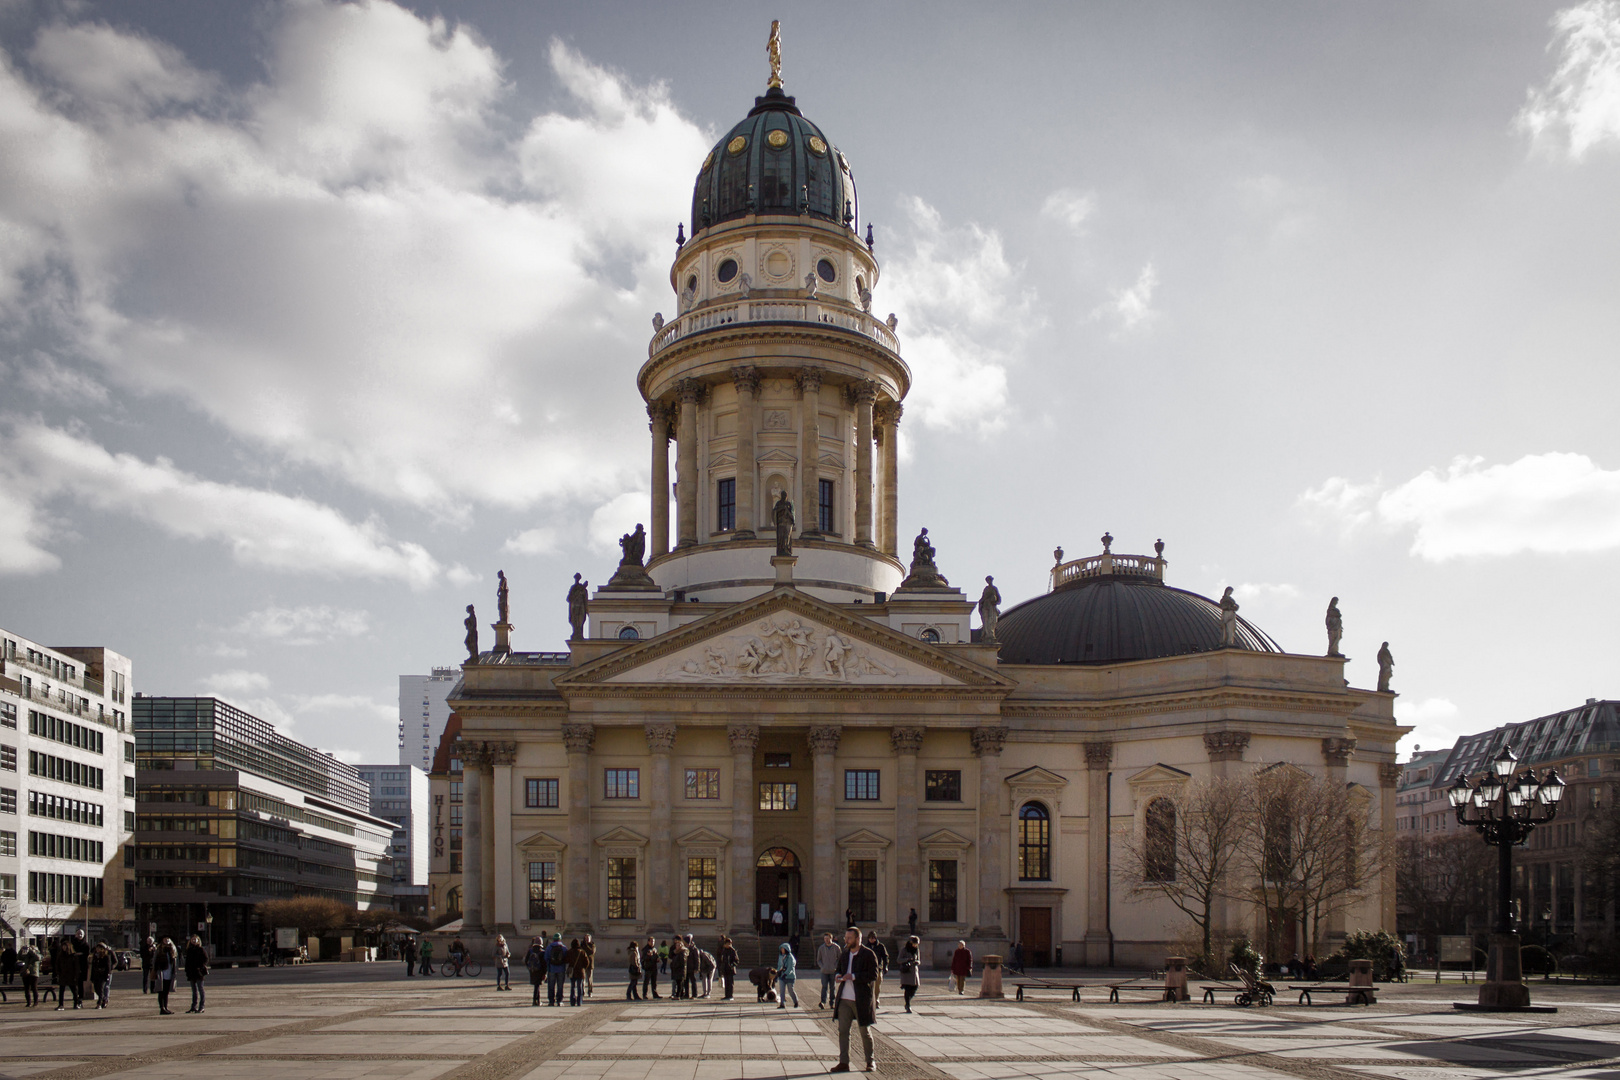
(944, 838)
(779, 455)
(703, 836)
(1035, 776)
(622, 836)
(783, 638)
(863, 838)
(541, 840)
(718, 460)
(1159, 774)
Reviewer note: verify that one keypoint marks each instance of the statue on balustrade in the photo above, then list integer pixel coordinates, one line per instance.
(1386, 668)
(1229, 610)
(1335, 627)
(579, 605)
(502, 601)
(471, 623)
(924, 571)
(782, 517)
(989, 609)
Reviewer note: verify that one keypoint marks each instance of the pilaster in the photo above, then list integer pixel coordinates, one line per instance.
(660, 743)
(906, 741)
(686, 493)
(1099, 936)
(474, 757)
(824, 741)
(578, 740)
(862, 395)
(746, 379)
(887, 418)
(658, 415)
(809, 382)
(744, 740)
(498, 864)
(987, 744)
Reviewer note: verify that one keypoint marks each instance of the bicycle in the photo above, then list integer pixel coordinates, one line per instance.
(470, 968)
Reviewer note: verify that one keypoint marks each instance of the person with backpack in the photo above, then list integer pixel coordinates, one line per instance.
(535, 961)
(911, 968)
(577, 961)
(633, 955)
(556, 969)
(196, 972)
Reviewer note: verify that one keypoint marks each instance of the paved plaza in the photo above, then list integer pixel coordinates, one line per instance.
(366, 1022)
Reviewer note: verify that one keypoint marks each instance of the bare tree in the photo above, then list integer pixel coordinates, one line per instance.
(1186, 851)
(1269, 853)
(1443, 880)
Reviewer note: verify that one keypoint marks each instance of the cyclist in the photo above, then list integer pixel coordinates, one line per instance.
(458, 955)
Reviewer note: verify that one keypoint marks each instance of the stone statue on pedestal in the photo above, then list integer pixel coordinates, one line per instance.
(782, 517)
(1386, 668)
(1335, 627)
(501, 598)
(989, 609)
(634, 546)
(503, 624)
(579, 605)
(631, 574)
(471, 623)
(924, 572)
(1229, 610)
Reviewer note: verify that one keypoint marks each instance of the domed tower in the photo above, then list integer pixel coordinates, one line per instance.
(774, 377)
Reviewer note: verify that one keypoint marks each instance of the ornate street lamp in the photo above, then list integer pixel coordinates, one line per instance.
(1505, 809)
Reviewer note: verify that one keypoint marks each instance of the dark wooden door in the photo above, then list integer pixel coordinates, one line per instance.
(1035, 931)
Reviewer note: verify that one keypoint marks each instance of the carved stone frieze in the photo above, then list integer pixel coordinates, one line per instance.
(1226, 745)
(579, 738)
(824, 738)
(988, 741)
(660, 738)
(906, 740)
(785, 648)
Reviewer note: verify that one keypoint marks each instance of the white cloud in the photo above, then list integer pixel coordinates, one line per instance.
(235, 683)
(352, 705)
(42, 376)
(261, 528)
(1131, 309)
(542, 540)
(1579, 106)
(411, 277)
(1436, 723)
(616, 517)
(1553, 503)
(312, 625)
(965, 313)
(1070, 206)
(1264, 594)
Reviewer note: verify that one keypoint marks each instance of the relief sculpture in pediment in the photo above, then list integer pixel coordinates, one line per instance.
(785, 647)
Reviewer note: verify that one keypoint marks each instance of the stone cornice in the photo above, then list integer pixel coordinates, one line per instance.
(1223, 698)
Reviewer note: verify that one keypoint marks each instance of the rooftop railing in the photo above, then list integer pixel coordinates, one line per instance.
(716, 317)
(1107, 565)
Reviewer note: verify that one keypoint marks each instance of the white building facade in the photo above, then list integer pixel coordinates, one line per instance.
(399, 793)
(423, 714)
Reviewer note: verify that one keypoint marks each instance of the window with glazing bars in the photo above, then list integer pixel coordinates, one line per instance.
(726, 504)
(777, 796)
(863, 889)
(942, 890)
(824, 511)
(621, 784)
(540, 792)
(702, 783)
(543, 890)
(861, 784)
(702, 887)
(621, 888)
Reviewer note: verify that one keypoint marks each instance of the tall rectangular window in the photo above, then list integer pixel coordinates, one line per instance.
(8, 714)
(702, 879)
(863, 889)
(543, 891)
(621, 784)
(942, 890)
(776, 796)
(8, 843)
(702, 783)
(8, 800)
(726, 504)
(943, 785)
(824, 509)
(621, 888)
(8, 758)
(540, 792)
(861, 784)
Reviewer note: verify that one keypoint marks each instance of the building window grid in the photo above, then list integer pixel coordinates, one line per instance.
(726, 506)
(863, 889)
(543, 890)
(1034, 843)
(8, 758)
(8, 843)
(540, 793)
(862, 785)
(776, 795)
(621, 887)
(702, 783)
(826, 520)
(65, 770)
(942, 890)
(702, 887)
(621, 783)
(942, 785)
(66, 732)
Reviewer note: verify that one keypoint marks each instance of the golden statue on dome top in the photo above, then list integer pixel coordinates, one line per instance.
(773, 49)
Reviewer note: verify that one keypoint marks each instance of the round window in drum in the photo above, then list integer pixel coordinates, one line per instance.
(727, 270)
(827, 271)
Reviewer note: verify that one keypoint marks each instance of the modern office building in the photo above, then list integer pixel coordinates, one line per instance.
(423, 714)
(399, 793)
(231, 812)
(67, 789)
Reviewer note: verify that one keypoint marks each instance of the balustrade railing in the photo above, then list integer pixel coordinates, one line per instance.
(1107, 565)
(760, 311)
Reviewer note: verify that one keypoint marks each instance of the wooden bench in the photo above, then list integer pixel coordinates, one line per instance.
(1354, 995)
(1073, 988)
(1156, 985)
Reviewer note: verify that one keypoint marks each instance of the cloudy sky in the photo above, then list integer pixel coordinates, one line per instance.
(313, 315)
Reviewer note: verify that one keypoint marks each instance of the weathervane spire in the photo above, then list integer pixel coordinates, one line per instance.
(773, 49)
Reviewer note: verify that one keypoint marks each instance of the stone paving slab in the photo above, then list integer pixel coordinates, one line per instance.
(1086, 1070)
(17, 1070)
(212, 1069)
(77, 1045)
(414, 1025)
(1052, 1046)
(423, 1044)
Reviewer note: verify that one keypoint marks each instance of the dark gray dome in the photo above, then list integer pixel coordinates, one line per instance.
(773, 162)
(1108, 620)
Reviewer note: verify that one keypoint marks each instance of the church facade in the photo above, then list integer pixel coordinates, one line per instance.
(774, 719)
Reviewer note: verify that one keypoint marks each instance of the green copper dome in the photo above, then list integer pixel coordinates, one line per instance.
(774, 162)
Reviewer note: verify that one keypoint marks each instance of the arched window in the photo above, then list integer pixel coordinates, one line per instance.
(778, 857)
(1159, 851)
(629, 633)
(1034, 843)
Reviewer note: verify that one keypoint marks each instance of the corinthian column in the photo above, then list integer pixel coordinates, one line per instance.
(824, 822)
(987, 743)
(658, 413)
(863, 394)
(1098, 934)
(473, 759)
(660, 741)
(906, 742)
(744, 739)
(686, 493)
(746, 379)
(498, 833)
(887, 417)
(809, 381)
(578, 738)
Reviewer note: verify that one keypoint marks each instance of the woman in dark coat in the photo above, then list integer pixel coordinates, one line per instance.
(535, 961)
(164, 964)
(101, 969)
(910, 968)
(196, 972)
(677, 969)
(727, 962)
(577, 960)
(633, 954)
(66, 975)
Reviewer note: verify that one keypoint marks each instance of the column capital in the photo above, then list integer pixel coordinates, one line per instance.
(862, 392)
(659, 412)
(660, 738)
(746, 377)
(1226, 745)
(473, 755)
(824, 738)
(1099, 755)
(744, 738)
(987, 741)
(808, 381)
(1338, 750)
(1389, 773)
(579, 738)
(689, 391)
(888, 413)
(501, 753)
(906, 740)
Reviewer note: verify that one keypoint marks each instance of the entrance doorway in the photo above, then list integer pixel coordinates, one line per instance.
(776, 891)
(1035, 931)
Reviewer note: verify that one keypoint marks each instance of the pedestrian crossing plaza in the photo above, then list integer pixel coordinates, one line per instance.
(365, 1022)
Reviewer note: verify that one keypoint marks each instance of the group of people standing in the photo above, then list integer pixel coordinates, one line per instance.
(553, 964)
(161, 963)
(691, 969)
(73, 963)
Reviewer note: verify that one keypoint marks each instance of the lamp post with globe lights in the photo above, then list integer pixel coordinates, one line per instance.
(1505, 808)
